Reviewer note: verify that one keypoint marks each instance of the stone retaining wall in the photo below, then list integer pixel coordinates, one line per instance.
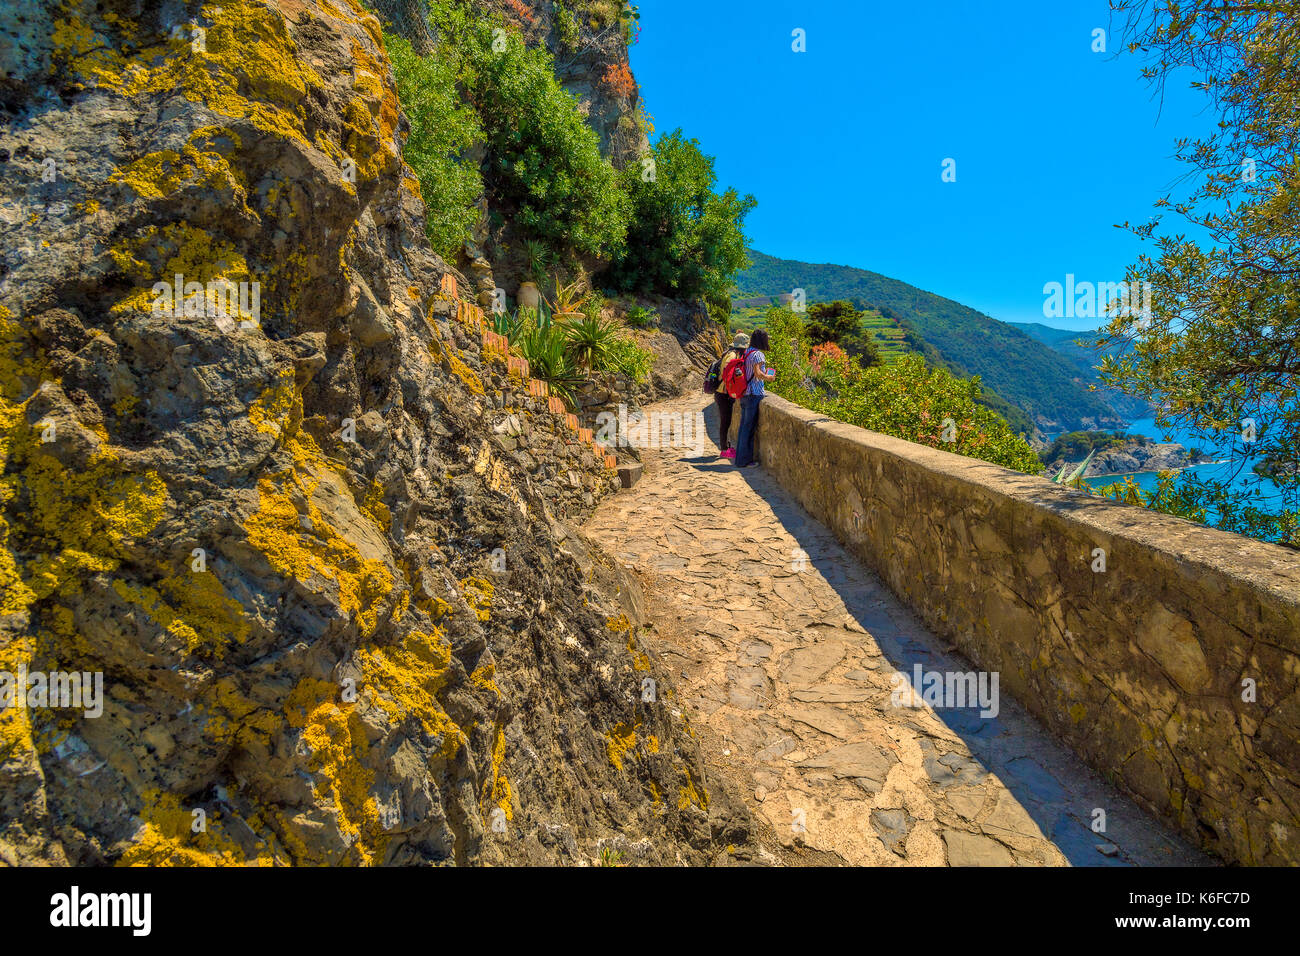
(565, 469)
(1145, 668)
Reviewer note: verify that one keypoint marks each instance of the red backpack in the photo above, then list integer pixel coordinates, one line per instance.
(734, 381)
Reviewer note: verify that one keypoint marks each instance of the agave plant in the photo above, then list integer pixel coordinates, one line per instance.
(1075, 478)
(568, 300)
(538, 259)
(589, 341)
(510, 324)
(546, 348)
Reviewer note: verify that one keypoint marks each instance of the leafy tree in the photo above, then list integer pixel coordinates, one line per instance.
(831, 321)
(542, 166)
(1218, 352)
(841, 323)
(684, 240)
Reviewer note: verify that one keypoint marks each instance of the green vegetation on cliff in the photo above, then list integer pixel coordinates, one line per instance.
(540, 161)
(1073, 446)
(442, 128)
(543, 161)
(490, 116)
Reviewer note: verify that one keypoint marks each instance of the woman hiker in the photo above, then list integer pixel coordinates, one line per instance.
(757, 372)
(724, 401)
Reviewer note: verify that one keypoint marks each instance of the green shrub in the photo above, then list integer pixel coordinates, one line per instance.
(566, 26)
(441, 129)
(539, 259)
(589, 341)
(543, 161)
(639, 317)
(907, 399)
(684, 240)
(625, 356)
(546, 346)
(1170, 496)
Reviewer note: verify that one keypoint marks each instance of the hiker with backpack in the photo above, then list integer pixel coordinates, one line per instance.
(713, 383)
(755, 373)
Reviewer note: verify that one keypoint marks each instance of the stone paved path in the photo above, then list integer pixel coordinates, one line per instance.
(786, 647)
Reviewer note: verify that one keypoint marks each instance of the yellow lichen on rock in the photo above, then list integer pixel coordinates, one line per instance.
(338, 745)
(169, 838)
(376, 105)
(374, 504)
(278, 532)
(465, 374)
(640, 659)
(199, 163)
(243, 65)
(302, 544)
(689, 795)
(84, 520)
(483, 677)
(478, 595)
(194, 608)
(272, 412)
(16, 376)
(619, 742)
(497, 788)
(15, 728)
(155, 255)
(406, 679)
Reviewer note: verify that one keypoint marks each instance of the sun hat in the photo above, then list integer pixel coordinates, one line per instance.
(741, 341)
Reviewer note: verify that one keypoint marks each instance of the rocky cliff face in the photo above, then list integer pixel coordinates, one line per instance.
(586, 38)
(254, 473)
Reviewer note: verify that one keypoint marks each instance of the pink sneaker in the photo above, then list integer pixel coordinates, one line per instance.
(729, 453)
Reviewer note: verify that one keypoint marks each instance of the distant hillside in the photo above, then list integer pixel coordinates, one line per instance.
(1080, 348)
(1049, 386)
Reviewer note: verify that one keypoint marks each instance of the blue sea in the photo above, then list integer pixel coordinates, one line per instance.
(1267, 493)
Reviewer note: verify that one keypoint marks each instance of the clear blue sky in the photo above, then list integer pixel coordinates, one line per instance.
(842, 145)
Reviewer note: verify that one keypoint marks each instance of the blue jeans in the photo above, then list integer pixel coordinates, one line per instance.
(748, 421)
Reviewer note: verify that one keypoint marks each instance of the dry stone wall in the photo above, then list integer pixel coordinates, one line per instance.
(1165, 653)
